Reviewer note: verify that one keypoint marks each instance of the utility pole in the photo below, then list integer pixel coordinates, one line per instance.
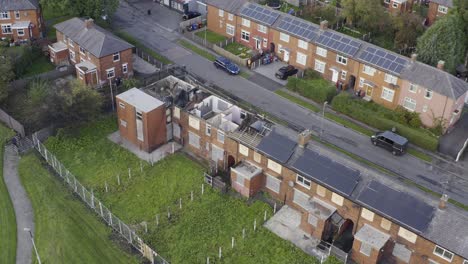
(323, 118)
(34, 245)
(112, 94)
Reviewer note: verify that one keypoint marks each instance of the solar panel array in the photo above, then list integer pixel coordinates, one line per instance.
(339, 43)
(398, 205)
(327, 171)
(260, 14)
(277, 146)
(298, 28)
(383, 59)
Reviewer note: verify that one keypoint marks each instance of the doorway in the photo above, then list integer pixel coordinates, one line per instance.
(231, 161)
(369, 91)
(334, 76)
(258, 44)
(285, 56)
(272, 47)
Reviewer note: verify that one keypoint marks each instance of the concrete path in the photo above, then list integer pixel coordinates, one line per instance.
(21, 203)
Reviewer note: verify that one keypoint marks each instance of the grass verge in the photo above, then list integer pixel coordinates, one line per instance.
(130, 39)
(197, 50)
(419, 154)
(349, 124)
(297, 100)
(65, 228)
(244, 74)
(211, 36)
(7, 213)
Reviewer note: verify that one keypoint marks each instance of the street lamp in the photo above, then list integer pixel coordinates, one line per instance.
(112, 93)
(34, 245)
(323, 118)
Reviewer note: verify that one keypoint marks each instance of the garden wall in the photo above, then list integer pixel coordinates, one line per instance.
(229, 55)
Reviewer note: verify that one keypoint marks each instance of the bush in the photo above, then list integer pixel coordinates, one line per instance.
(312, 74)
(318, 90)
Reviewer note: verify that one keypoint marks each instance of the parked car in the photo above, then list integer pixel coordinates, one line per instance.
(284, 72)
(390, 141)
(190, 15)
(227, 65)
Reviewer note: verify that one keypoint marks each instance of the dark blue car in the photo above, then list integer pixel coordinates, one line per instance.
(227, 65)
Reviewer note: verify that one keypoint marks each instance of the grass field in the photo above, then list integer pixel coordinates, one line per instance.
(65, 228)
(7, 213)
(130, 39)
(38, 66)
(211, 36)
(193, 232)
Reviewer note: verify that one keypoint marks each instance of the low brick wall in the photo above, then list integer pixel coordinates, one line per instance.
(229, 55)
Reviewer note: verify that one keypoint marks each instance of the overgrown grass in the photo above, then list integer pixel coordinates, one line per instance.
(199, 51)
(130, 39)
(238, 50)
(297, 100)
(211, 36)
(7, 213)
(65, 228)
(38, 66)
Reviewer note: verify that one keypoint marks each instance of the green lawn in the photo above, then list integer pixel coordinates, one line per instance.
(130, 39)
(297, 100)
(38, 66)
(65, 229)
(196, 49)
(345, 122)
(195, 231)
(238, 50)
(211, 36)
(7, 213)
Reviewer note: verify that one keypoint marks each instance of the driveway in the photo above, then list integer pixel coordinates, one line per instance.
(451, 143)
(269, 70)
(439, 176)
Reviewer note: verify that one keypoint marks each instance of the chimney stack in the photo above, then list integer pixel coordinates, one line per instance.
(440, 65)
(304, 138)
(443, 201)
(89, 23)
(414, 57)
(324, 25)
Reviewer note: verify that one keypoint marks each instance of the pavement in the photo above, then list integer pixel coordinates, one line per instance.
(142, 66)
(452, 142)
(269, 70)
(440, 176)
(22, 205)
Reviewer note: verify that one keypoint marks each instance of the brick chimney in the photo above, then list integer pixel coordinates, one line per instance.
(304, 138)
(440, 65)
(324, 25)
(443, 201)
(89, 23)
(414, 57)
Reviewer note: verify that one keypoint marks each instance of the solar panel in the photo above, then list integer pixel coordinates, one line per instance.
(384, 60)
(259, 13)
(297, 28)
(398, 205)
(277, 146)
(326, 171)
(339, 43)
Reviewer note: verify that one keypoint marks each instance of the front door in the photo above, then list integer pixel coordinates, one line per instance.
(286, 56)
(334, 76)
(369, 91)
(258, 44)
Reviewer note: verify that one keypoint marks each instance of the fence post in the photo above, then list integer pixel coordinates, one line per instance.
(129, 173)
(92, 198)
(255, 224)
(191, 196)
(120, 226)
(274, 209)
(76, 187)
(265, 216)
(243, 233)
(130, 233)
(232, 242)
(202, 188)
(84, 194)
(180, 203)
(157, 220)
(220, 253)
(110, 218)
(100, 209)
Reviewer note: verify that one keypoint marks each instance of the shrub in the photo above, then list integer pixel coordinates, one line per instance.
(318, 90)
(312, 74)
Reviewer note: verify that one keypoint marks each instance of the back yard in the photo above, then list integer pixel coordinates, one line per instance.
(191, 233)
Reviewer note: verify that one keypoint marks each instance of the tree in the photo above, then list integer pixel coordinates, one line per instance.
(444, 40)
(83, 8)
(408, 27)
(349, 10)
(6, 73)
(366, 14)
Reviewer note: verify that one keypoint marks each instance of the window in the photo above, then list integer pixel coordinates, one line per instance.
(409, 104)
(116, 56)
(230, 30)
(319, 66)
(273, 183)
(221, 13)
(17, 14)
(125, 68)
(176, 112)
(321, 52)
(341, 59)
(239, 179)
(220, 136)
(338, 199)
(208, 130)
(368, 215)
(343, 75)
(302, 44)
(121, 105)
(465, 261)
(230, 17)
(395, 5)
(274, 166)
(408, 235)
(176, 130)
(321, 191)
(245, 36)
(390, 79)
(387, 1)
(243, 150)
(387, 94)
(368, 70)
(72, 56)
(123, 123)
(385, 224)
(71, 43)
(303, 181)
(443, 9)
(261, 28)
(20, 32)
(110, 73)
(6, 29)
(361, 82)
(194, 140)
(428, 94)
(5, 15)
(80, 75)
(194, 122)
(443, 253)
(365, 249)
(433, 261)
(284, 37)
(413, 88)
(257, 157)
(265, 43)
(82, 51)
(424, 109)
(301, 198)
(245, 22)
(216, 153)
(139, 125)
(301, 58)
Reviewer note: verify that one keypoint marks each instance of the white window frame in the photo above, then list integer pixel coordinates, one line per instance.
(364, 247)
(368, 70)
(125, 67)
(442, 9)
(273, 181)
(245, 36)
(430, 92)
(82, 50)
(208, 130)
(413, 88)
(408, 102)
(261, 28)
(320, 66)
(341, 59)
(230, 29)
(194, 136)
(395, 4)
(301, 58)
(221, 12)
(20, 32)
(71, 43)
(465, 261)
(361, 82)
(109, 71)
(390, 79)
(245, 22)
(72, 56)
(114, 57)
(6, 29)
(17, 14)
(387, 1)
(301, 180)
(302, 44)
(121, 105)
(387, 94)
(321, 52)
(230, 17)
(284, 37)
(343, 75)
(4, 15)
(442, 255)
(274, 166)
(123, 123)
(424, 108)
(220, 136)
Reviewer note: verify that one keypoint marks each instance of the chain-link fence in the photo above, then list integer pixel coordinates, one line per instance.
(97, 206)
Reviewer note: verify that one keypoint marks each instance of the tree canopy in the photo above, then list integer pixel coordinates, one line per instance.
(83, 8)
(366, 14)
(6, 73)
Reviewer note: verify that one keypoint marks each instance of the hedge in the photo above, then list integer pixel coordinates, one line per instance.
(345, 104)
(318, 90)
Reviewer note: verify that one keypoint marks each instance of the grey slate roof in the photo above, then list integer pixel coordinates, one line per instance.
(437, 80)
(95, 40)
(11, 5)
(447, 3)
(231, 6)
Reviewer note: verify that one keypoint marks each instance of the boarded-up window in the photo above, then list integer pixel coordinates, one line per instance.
(176, 130)
(273, 183)
(368, 215)
(321, 190)
(274, 166)
(385, 224)
(243, 150)
(194, 140)
(408, 235)
(313, 220)
(240, 179)
(338, 199)
(177, 112)
(365, 249)
(216, 153)
(193, 122)
(257, 157)
(300, 198)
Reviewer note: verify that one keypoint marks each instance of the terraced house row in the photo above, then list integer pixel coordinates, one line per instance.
(369, 216)
(382, 76)
(21, 20)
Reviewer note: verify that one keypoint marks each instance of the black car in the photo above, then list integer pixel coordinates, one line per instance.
(390, 141)
(227, 65)
(190, 15)
(284, 72)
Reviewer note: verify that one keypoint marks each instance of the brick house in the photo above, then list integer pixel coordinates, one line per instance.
(221, 16)
(98, 55)
(437, 8)
(398, 6)
(21, 20)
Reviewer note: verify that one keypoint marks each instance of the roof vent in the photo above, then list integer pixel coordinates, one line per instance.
(324, 25)
(89, 23)
(440, 65)
(443, 201)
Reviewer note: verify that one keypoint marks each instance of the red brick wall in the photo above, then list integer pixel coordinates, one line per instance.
(433, 13)
(32, 15)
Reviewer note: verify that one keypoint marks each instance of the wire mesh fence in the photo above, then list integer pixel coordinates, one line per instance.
(96, 205)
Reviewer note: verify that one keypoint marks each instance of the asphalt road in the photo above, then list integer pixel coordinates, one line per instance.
(437, 176)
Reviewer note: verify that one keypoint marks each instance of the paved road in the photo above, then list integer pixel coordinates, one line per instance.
(434, 176)
(22, 205)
